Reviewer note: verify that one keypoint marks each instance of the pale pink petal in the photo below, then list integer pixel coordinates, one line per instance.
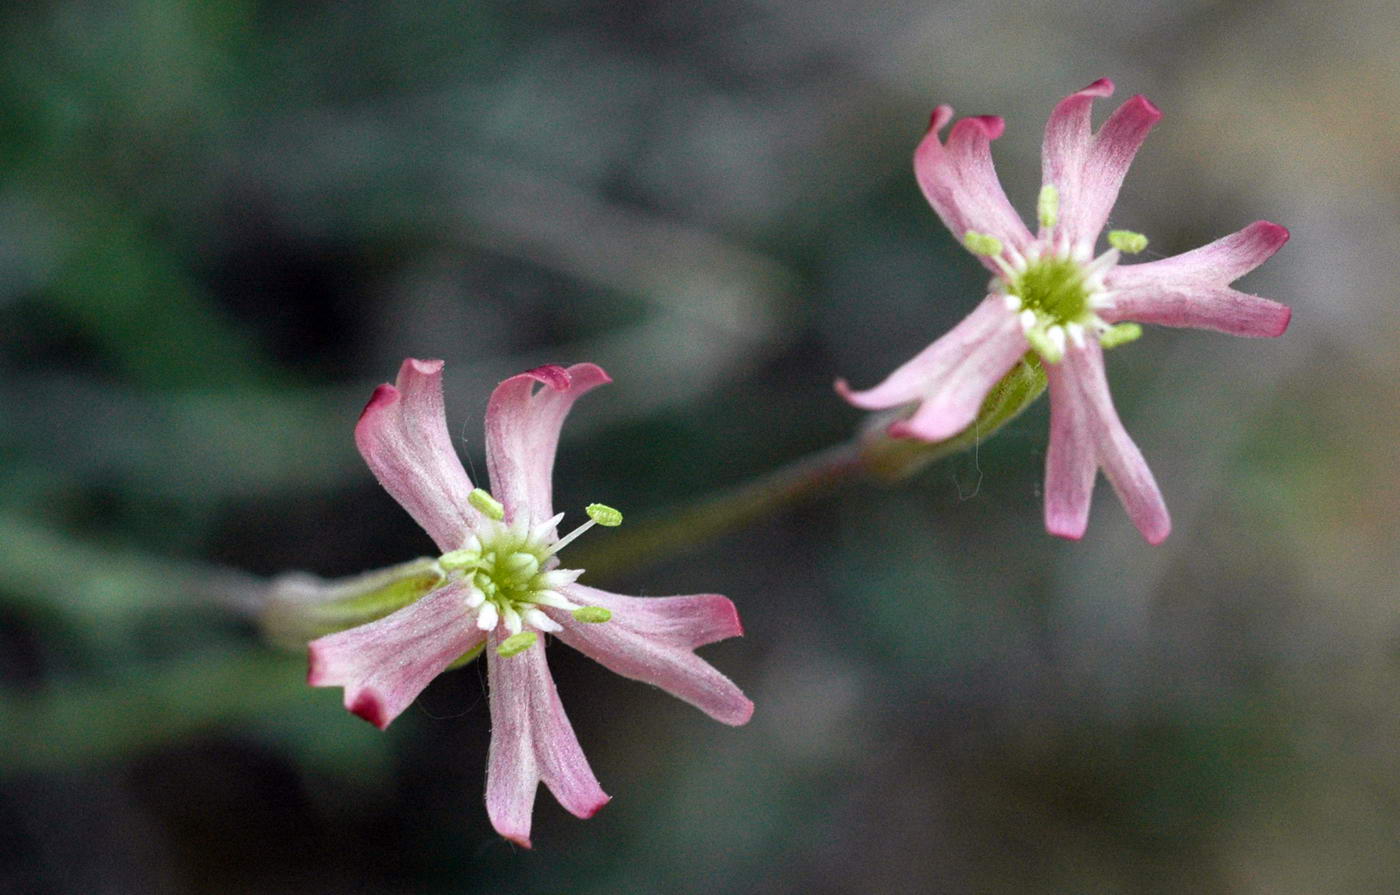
(961, 183)
(1068, 139)
(1220, 262)
(1200, 306)
(1088, 169)
(1191, 289)
(531, 741)
(522, 433)
(1086, 385)
(653, 639)
(402, 434)
(385, 664)
(951, 376)
(1070, 463)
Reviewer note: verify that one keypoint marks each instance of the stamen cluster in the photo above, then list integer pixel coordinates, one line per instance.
(511, 571)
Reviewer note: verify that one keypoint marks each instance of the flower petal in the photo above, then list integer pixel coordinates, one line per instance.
(522, 433)
(652, 639)
(1086, 388)
(1070, 462)
(1087, 168)
(531, 741)
(402, 434)
(960, 181)
(385, 664)
(950, 377)
(1191, 289)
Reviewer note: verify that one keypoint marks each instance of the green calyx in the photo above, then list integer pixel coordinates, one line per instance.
(1054, 289)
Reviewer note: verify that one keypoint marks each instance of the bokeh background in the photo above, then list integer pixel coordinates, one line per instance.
(221, 224)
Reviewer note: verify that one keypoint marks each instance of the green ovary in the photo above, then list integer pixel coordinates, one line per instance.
(1054, 288)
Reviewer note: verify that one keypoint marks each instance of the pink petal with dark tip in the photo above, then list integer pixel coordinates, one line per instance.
(1191, 289)
(1088, 168)
(531, 741)
(1071, 463)
(402, 434)
(653, 639)
(385, 664)
(1080, 381)
(960, 181)
(522, 433)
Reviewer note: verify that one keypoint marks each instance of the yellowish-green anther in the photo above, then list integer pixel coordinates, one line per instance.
(982, 243)
(516, 644)
(603, 515)
(592, 614)
(1043, 346)
(458, 559)
(486, 504)
(1120, 334)
(1048, 205)
(1126, 241)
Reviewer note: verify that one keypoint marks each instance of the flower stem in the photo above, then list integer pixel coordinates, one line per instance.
(872, 456)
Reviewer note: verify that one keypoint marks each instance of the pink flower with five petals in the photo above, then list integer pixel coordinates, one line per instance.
(1051, 295)
(502, 587)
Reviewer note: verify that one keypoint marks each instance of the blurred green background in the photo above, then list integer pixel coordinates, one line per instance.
(221, 224)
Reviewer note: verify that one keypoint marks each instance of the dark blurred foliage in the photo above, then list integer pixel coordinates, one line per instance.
(222, 223)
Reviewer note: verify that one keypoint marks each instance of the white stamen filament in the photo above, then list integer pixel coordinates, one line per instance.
(555, 600)
(541, 622)
(512, 619)
(488, 616)
(569, 538)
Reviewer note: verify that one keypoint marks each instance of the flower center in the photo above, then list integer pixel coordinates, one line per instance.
(1053, 288)
(511, 572)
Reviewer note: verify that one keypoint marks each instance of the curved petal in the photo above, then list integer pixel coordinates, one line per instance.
(1087, 387)
(385, 664)
(522, 433)
(1088, 169)
(951, 403)
(652, 639)
(1070, 462)
(1191, 289)
(917, 376)
(1201, 306)
(531, 741)
(1068, 137)
(402, 434)
(960, 181)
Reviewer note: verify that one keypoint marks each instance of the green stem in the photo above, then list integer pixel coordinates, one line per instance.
(871, 457)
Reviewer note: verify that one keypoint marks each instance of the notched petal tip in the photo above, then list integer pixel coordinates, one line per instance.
(741, 716)
(1156, 536)
(1100, 88)
(1069, 529)
(519, 839)
(1143, 108)
(989, 126)
(1269, 234)
(368, 704)
(939, 118)
(421, 366)
(384, 396)
(552, 375)
(586, 813)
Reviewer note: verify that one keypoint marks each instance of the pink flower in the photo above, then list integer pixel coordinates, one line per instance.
(1051, 295)
(503, 586)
